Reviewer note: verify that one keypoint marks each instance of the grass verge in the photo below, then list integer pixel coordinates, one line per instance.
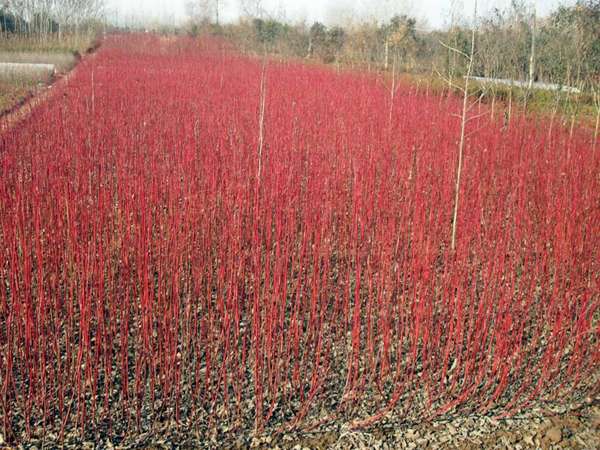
(63, 52)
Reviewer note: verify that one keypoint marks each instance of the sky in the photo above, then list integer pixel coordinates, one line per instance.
(431, 13)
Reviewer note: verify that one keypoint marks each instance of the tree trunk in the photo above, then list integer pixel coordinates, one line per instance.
(509, 105)
(387, 54)
(392, 94)
(463, 124)
(532, 55)
(596, 129)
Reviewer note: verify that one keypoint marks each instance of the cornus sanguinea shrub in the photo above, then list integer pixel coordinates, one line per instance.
(150, 271)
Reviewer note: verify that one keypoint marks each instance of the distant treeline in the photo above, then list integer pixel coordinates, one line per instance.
(563, 47)
(43, 17)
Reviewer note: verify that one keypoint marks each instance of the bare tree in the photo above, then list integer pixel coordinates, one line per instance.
(252, 8)
(455, 5)
(204, 10)
(72, 14)
(464, 118)
(532, 52)
(44, 16)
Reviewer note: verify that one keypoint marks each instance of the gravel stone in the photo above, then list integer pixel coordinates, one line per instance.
(554, 435)
(528, 440)
(595, 418)
(493, 422)
(411, 434)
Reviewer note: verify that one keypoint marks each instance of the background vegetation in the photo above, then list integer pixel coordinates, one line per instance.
(567, 42)
(511, 44)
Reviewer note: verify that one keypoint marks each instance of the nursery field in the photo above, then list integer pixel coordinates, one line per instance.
(195, 239)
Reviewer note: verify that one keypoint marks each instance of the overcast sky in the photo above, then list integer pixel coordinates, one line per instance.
(431, 13)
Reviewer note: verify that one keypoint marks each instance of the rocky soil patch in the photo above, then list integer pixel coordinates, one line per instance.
(541, 429)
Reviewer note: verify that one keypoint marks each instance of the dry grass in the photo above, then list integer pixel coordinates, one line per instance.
(48, 44)
(17, 86)
(14, 92)
(63, 61)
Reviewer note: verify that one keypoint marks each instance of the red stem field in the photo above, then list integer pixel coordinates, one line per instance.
(192, 235)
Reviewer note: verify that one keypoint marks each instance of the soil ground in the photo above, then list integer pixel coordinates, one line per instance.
(547, 429)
